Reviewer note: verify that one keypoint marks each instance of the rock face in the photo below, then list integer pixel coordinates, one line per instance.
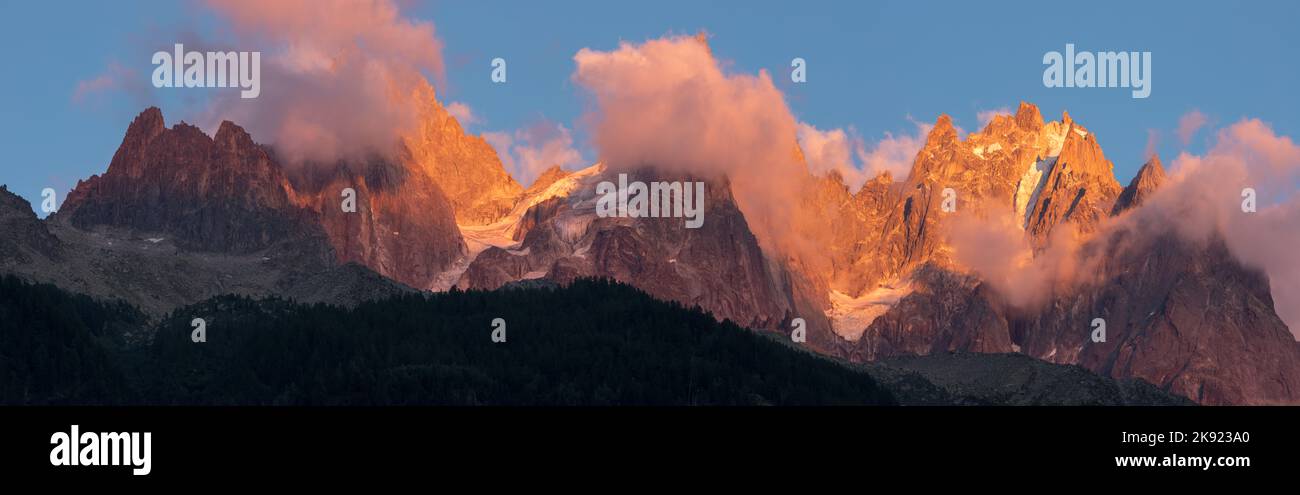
(718, 267)
(945, 312)
(227, 194)
(402, 227)
(157, 276)
(24, 235)
(548, 177)
(1186, 317)
(1014, 379)
(1047, 173)
(465, 167)
(1080, 188)
(221, 194)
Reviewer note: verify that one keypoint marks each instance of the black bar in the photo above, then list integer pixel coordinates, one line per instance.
(236, 443)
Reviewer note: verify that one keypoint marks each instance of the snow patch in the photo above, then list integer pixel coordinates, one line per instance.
(500, 234)
(981, 150)
(1030, 186)
(1054, 133)
(850, 316)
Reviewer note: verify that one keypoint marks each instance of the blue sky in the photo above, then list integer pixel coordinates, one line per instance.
(871, 65)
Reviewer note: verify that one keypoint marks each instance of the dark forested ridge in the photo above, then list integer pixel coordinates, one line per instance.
(59, 348)
(592, 343)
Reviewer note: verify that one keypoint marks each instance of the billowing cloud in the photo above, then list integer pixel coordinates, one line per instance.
(856, 160)
(667, 103)
(996, 247)
(895, 153)
(1205, 197)
(831, 150)
(322, 60)
(1189, 123)
(530, 151)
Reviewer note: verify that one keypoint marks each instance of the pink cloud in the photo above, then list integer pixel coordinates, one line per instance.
(996, 247)
(895, 153)
(831, 150)
(321, 62)
(528, 152)
(855, 160)
(114, 78)
(1206, 197)
(668, 103)
(1189, 123)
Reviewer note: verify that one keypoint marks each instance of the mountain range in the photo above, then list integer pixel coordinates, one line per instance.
(180, 217)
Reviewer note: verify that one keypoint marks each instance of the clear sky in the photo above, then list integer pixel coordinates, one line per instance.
(871, 66)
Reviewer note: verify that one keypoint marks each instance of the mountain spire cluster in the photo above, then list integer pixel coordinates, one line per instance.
(893, 273)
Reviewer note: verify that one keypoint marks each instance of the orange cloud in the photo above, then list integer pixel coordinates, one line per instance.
(831, 150)
(529, 152)
(895, 153)
(851, 156)
(322, 61)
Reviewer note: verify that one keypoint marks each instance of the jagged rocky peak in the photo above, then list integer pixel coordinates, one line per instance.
(548, 177)
(225, 195)
(943, 131)
(24, 234)
(1080, 186)
(232, 136)
(148, 123)
(466, 167)
(1028, 117)
(229, 194)
(1148, 179)
(885, 178)
(146, 126)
